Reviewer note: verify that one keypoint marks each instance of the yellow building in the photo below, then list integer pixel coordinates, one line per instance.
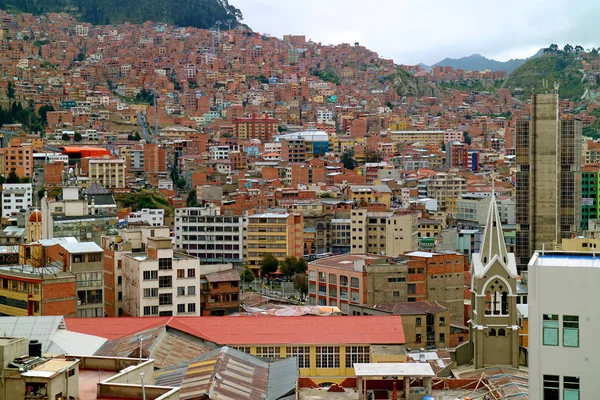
(383, 233)
(109, 172)
(281, 235)
(579, 244)
(326, 348)
(375, 194)
(430, 228)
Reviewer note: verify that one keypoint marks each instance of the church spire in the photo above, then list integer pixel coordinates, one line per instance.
(493, 243)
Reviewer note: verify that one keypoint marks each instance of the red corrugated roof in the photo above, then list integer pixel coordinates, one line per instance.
(258, 330)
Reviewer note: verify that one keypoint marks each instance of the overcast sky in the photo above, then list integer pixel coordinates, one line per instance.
(413, 31)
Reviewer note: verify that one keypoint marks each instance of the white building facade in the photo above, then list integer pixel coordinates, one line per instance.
(160, 282)
(563, 323)
(16, 197)
(214, 238)
(152, 217)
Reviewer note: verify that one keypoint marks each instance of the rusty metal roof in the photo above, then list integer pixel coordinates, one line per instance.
(223, 276)
(226, 373)
(167, 347)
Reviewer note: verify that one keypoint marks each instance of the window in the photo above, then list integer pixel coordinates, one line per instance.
(243, 349)
(570, 331)
(492, 332)
(165, 263)
(418, 321)
(181, 291)
(354, 283)
(181, 273)
(442, 337)
(412, 288)
(418, 338)
(191, 273)
(328, 357)
(302, 354)
(343, 281)
(191, 290)
(191, 307)
(312, 275)
(150, 275)
(332, 278)
(96, 257)
(270, 352)
(397, 279)
(165, 299)
(165, 281)
(501, 332)
(356, 354)
(395, 294)
(180, 308)
(550, 330)
(570, 388)
(442, 321)
(152, 292)
(150, 310)
(551, 387)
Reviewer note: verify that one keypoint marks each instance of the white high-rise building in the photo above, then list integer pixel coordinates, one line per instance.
(160, 282)
(16, 197)
(214, 238)
(564, 319)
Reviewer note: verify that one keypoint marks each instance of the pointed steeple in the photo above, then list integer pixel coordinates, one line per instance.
(492, 243)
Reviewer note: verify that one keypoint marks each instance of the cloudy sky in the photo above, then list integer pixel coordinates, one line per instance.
(413, 31)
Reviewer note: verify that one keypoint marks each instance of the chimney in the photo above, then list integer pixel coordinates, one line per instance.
(35, 348)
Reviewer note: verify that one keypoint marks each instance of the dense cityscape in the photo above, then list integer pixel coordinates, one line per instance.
(220, 213)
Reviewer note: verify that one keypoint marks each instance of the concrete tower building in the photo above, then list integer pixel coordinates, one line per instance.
(494, 327)
(548, 202)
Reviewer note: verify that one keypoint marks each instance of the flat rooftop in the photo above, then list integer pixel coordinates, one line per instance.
(346, 261)
(566, 259)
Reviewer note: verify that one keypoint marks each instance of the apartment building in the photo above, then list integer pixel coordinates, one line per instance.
(281, 235)
(444, 186)
(293, 149)
(383, 233)
(160, 281)
(214, 238)
(363, 195)
(108, 172)
(590, 194)
(115, 247)
(19, 159)
(255, 127)
(152, 217)
(16, 197)
(548, 202)
(219, 290)
(341, 236)
(85, 260)
(563, 324)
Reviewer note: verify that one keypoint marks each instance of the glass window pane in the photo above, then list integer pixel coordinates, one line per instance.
(570, 394)
(550, 336)
(571, 337)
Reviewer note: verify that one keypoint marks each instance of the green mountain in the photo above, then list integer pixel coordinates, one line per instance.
(197, 13)
(477, 62)
(541, 73)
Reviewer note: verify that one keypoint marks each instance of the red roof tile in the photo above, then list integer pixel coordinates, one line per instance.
(258, 330)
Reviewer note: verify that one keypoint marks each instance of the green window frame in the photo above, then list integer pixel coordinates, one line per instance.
(550, 330)
(570, 388)
(570, 331)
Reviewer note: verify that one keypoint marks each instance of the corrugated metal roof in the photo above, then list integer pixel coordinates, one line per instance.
(283, 375)
(226, 373)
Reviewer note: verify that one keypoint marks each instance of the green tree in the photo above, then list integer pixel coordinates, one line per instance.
(180, 183)
(41, 193)
(13, 177)
(374, 156)
(65, 137)
(25, 179)
(326, 195)
(192, 200)
(2, 179)
(268, 264)
(43, 113)
(247, 275)
(10, 91)
(348, 160)
(77, 137)
(301, 285)
(288, 266)
(81, 56)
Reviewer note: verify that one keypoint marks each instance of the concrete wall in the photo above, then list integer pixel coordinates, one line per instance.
(564, 291)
